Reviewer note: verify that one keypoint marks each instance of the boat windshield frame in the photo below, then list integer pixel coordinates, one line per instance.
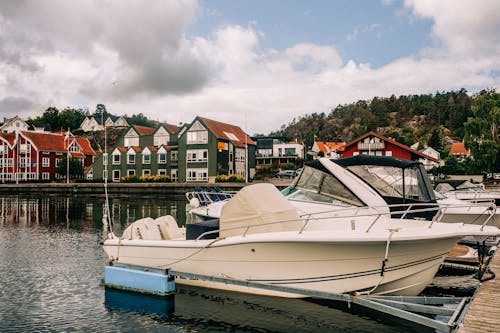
(407, 183)
(317, 184)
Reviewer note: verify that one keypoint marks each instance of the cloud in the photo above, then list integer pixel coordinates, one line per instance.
(15, 105)
(139, 59)
(462, 27)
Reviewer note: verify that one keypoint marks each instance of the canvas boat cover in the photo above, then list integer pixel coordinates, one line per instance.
(261, 206)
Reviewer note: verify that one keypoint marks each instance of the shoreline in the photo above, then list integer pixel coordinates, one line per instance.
(123, 188)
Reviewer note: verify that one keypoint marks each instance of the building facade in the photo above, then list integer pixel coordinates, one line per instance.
(92, 123)
(29, 155)
(277, 150)
(372, 143)
(142, 151)
(208, 148)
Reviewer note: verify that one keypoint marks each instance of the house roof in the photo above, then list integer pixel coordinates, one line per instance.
(413, 152)
(9, 137)
(458, 149)
(326, 147)
(171, 128)
(221, 131)
(56, 142)
(144, 130)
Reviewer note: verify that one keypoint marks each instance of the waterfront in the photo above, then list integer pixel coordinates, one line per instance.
(52, 267)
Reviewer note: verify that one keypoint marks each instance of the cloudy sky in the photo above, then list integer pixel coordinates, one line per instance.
(253, 63)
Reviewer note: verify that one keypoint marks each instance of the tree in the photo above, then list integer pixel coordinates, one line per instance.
(75, 167)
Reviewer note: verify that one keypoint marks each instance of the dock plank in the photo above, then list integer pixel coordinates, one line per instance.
(484, 310)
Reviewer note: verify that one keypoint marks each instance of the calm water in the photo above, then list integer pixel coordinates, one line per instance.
(51, 275)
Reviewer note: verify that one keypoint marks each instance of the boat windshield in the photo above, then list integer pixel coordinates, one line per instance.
(390, 181)
(317, 185)
(468, 186)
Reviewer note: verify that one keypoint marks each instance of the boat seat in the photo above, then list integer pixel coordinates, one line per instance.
(193, 230)
(142, 229)
(168, 227)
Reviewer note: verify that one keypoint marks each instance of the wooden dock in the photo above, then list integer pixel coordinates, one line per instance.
(483, 314)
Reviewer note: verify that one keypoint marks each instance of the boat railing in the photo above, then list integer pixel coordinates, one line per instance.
(306, 219)
(369, 211)
(206, 197)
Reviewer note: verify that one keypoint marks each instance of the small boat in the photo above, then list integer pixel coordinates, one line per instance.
(261, 238)
(467, 191)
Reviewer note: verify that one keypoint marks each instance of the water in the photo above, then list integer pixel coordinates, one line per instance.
(51, 280)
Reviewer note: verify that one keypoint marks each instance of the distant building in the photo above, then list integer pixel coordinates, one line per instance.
(30, 155)
(93, 123)
(277, 150)
(459, 150)
(429, 151)
(142, 151)
(372, 143)
(329, 149)
(14, 124)
(208, 148)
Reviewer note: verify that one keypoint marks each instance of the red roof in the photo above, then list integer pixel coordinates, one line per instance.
(326, 147)
(56, 142)
(9, 137)
(392, 141)
(220, 129)
(171, 128)
(458, 149)
(144, 130)
(84, 143)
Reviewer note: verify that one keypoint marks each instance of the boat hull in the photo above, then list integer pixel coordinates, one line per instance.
(328, 266)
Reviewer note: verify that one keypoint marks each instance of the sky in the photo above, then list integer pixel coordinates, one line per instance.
(257, 64)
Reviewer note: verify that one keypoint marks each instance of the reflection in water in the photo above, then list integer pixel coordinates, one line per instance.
(52, 268)
(80, 212)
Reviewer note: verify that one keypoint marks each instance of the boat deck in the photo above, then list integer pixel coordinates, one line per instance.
(484, 311)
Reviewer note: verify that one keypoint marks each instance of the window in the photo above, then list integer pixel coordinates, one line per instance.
(197, 137)
(174, 156)
(45, 162)
(146, 159)
(90, 174)
(356, 153)
(174, 176)
(162, 158)
(199, 155)
(116, 159)
(45, 175)
(388, 153)
(116, 175)
(231, 136)
(146, 172)
(161, 139)
(162, 172)
(194, 175)
(58, 161)
(130, 159)
(130, 172)
(74, 148)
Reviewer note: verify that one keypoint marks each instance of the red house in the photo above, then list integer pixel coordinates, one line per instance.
(372, 143)
(29, 155)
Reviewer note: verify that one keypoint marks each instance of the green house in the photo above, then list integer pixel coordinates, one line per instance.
(142, 151)
(208, 148)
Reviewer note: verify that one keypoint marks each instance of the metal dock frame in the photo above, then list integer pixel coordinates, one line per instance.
(409, 308)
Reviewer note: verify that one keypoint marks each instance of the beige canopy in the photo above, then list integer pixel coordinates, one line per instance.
(261, 206)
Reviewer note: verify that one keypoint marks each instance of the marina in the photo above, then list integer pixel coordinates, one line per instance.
(53, 268)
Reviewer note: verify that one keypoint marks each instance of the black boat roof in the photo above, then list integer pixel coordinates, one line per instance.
(375, 160)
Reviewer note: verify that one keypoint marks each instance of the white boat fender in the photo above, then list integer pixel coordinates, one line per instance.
(194, 203)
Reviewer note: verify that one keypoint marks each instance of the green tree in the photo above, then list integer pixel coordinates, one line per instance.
(75, 167)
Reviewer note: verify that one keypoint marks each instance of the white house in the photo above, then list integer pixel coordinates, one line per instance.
(429, 151)
(14, 124)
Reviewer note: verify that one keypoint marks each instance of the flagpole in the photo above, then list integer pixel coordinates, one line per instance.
(67, 157)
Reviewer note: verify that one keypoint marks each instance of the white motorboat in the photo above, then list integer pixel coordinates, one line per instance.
(364, 184)
(465, 190)
(261, 238)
